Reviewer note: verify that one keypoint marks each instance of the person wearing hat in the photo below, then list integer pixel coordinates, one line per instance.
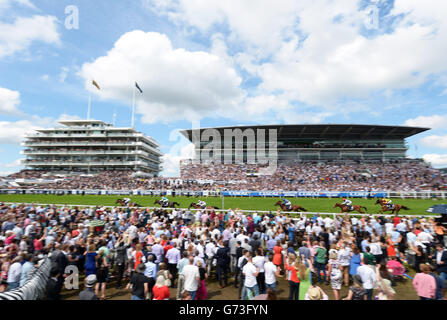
(140, 283)
(88, 293)
(316, 293)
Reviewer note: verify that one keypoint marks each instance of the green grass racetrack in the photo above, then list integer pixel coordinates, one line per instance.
(417, 206)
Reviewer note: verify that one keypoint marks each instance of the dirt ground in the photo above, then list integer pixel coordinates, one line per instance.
(404, 291)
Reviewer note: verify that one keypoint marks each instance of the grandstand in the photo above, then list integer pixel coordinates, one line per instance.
(91, 147)
(329, 157)
(320, 142)
(311, 158)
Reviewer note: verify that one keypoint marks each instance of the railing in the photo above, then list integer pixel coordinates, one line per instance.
(293, 213)
(249, 194)
(34, 287)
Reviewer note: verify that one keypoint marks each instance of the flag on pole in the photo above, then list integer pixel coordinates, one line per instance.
(96, 84)
(138, 87)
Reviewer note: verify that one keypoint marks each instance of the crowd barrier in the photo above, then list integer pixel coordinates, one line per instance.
(300, 214)
(208, 193)
(34, 287)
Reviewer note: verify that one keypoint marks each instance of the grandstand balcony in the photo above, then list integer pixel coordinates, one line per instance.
(91, 153)
(86, 163)
(90, 144)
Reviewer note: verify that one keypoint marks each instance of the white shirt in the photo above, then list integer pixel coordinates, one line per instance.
(209, 249)
(240, 260)
(425, 237)
(199, 248)
(344, 257)
(249, 271)
(368, 276)
(389, 227)
(191, 273)
(270, 270)
(438, 256)
(328, 222)
(259, 262)
(14, 272)
(133, 232)
(375, 248)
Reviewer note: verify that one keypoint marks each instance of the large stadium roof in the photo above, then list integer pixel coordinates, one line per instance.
(328, 131)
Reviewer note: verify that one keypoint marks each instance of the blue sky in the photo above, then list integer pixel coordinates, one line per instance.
(224, 63)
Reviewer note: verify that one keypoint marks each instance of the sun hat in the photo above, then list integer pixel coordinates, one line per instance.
(90, 280)
(314, 294)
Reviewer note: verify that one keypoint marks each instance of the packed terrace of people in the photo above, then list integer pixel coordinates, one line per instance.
(404, 176)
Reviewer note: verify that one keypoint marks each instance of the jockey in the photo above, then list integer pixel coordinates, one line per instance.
(389, 203)
(126, 201)
(287, 203)
(348, 203)
(164, 201)
(202, 204)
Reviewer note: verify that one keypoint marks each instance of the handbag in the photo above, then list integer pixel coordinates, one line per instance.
(167, 280)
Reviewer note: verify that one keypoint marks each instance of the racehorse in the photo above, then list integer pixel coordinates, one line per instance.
(123, 203)
(345, 208)
(171, 204)
(196, 206)
(396, 207)
(295, 207)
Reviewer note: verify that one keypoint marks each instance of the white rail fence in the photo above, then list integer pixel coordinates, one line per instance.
(254, 194)
(301, 214)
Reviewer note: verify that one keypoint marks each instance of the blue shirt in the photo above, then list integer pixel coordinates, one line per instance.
(411, 237)
(158, 251)
(401, 227)
(151, 270)
(26, 268)
(181, 264)
(395, 236)
(364, 245)
(270, 244)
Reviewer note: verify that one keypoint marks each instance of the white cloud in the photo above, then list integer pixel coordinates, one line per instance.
(9, 101)
(45, 77)
(10, 168)
(435, 141)
(20, 34)
(177, 84)
(436, 160)
(13, 132)
(432, 122)
(301, 50)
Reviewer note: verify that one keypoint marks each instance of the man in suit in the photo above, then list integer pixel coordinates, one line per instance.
(53, 288)
(441, 261)
(223, 261)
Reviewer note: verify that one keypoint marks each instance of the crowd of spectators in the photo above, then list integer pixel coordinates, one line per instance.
(288, 176)
(174, 254)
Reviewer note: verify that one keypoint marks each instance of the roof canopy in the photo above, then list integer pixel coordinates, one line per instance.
(329, 131)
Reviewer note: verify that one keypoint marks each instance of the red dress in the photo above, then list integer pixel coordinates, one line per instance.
(161, 293)
(277, 257)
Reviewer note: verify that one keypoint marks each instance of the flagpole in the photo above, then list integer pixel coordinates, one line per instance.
(133, 107)
(89, 105)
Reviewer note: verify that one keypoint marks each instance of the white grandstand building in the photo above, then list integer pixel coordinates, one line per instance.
(89, 147)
